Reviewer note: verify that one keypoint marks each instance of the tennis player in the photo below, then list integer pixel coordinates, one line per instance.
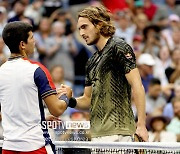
(23, 86)
(111, 73)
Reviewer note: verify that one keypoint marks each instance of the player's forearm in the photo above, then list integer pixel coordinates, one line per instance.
(55, 106)
(83, 102)
(139, 100)
(59, 108)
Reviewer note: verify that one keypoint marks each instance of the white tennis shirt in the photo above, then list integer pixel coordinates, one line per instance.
(23, 84)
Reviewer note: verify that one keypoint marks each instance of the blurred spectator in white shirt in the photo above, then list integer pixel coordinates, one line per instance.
(162, 62)
(172, 33)
(35, 11)
(158, 131)
(174, 125)
(125, 29)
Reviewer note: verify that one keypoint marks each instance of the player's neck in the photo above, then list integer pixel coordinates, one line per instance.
(16, 55)
(101, 42)
(22, 54)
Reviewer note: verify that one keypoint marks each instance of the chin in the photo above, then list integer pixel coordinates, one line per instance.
(90, 43)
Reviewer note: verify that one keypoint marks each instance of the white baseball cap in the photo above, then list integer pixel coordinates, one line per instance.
(174, 17)
(146, 59)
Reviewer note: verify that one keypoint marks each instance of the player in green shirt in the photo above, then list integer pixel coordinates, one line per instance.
(111, 73)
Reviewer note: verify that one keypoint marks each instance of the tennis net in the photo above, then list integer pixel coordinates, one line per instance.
(75, 147)
(86, 147)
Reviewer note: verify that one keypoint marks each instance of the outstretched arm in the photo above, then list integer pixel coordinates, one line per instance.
(134, 80)
(84, 101)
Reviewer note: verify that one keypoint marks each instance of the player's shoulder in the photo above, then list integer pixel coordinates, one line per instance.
(92, 57)
(118, 42)
(34, 63)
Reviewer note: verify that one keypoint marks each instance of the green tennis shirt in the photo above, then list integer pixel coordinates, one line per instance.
(111, 111)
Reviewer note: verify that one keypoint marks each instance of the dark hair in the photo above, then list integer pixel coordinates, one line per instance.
(155, 81)
(15, 32)
(97, 15)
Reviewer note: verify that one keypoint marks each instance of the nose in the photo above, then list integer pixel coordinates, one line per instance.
(81, 32)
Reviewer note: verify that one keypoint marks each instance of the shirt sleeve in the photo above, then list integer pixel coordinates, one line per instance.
(44, 82)
(125, 57)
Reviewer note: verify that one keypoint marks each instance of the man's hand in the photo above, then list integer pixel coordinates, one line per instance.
(64, 89)
(55, 121)
(142, 132)
(52, 118)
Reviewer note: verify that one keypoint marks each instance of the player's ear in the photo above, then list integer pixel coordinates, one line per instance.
(99, 25)
(21, 45)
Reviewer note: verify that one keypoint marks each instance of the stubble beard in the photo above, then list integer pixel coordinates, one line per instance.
(95, 40)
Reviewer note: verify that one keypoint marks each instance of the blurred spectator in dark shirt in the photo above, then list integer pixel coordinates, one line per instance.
(155, 101)
(173, 72)
(152, 42)
(145, 64)
(18, 11)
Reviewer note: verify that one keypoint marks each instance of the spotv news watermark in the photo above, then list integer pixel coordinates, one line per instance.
(65, 124)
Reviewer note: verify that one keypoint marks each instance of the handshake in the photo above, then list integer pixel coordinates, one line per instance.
(65, 93)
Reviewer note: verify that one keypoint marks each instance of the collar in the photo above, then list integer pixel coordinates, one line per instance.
(15, 57)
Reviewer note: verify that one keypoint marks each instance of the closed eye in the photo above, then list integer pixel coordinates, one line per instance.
(83, 27)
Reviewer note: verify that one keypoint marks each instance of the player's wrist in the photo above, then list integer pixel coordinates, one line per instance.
(72, 102)
(141, 124)
(65, 99)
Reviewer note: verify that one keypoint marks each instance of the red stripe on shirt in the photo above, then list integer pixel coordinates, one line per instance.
(45, 71)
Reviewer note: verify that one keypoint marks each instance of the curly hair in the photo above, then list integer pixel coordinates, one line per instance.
(98, 15)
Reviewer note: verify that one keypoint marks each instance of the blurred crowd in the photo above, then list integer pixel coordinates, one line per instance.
(151, 27)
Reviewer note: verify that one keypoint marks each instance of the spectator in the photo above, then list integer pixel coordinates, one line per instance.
(175, 122)
(145, 64)
(18, 11)
(158, 132)
(3, 18)
(138, 9)
(173, 72)
(176, 38)
(41, 35)
(125, 29)
(60, 50)
(162, 62)
(141, 21)
(57, 73)
(149, 9)
(152, 40)
(137, 45)
(66, 18)
(168, 109)
(164, 11)
(155, 102)
(172, 32)
(34, 11)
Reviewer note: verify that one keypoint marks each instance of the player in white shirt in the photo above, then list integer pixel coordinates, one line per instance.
(23, 86)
